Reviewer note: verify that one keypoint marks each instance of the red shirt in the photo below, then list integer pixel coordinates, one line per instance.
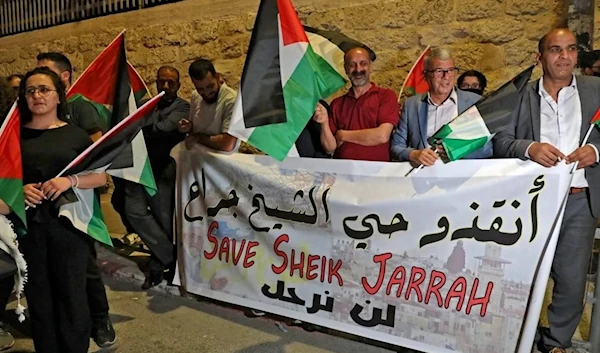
(375, 107)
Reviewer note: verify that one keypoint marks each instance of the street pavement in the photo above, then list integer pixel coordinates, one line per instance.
(154, 322)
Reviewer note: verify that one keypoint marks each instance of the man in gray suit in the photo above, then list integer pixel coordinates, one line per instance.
(552, 119)
(423, 115)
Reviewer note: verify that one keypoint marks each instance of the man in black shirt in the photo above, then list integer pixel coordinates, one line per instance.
(152, 217)
(83, 114)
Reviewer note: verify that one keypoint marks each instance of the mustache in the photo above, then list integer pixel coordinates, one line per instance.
(358, 73)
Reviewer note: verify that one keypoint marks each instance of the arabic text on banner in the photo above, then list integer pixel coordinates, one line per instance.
(442, 261)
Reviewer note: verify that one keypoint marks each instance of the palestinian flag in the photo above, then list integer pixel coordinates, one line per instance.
(471, 130)
(104, 110)
(282, 81)
(596, 118)
(138, 86)
(333, 45)
(415, 82)
(11, 170)
(113, 86)
(81, 206)
(594, 122)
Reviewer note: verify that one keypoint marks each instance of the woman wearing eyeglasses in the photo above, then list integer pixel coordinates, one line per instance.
(55, 251)
(472, 81)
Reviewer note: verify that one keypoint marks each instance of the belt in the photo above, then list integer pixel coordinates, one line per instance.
(577, 190)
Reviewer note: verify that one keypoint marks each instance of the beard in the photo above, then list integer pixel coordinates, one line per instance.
(359, 78)
(213, 99)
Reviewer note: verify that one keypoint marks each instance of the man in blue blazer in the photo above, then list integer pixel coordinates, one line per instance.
(423, 115)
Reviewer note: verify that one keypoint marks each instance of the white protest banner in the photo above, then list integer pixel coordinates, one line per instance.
(442, 261)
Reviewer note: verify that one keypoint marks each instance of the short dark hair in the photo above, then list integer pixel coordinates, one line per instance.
(200, 68)
(26, 115)
(61, 61)
(13, 76)
(7, 98)
(480, 77)
(542, 43)
(168, 68)
(587, 59)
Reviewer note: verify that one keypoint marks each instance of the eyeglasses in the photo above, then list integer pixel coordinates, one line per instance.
(44, 91)
(439, 73)
(473, 86)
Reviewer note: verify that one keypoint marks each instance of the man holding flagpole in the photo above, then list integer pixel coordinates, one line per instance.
(424, 114)
(551, 123)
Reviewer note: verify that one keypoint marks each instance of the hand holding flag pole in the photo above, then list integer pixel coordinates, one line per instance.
(126, 129)
(594, 122)
(415, 170)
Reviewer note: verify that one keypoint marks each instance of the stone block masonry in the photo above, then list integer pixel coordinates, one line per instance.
(497, 37)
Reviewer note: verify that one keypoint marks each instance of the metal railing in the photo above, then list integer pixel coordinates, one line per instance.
(17, 16)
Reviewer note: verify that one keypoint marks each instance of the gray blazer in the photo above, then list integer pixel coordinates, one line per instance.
(411, 133)
(512, 141)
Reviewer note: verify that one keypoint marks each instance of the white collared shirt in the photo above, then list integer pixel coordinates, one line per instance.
(560, 123)
(439, 115)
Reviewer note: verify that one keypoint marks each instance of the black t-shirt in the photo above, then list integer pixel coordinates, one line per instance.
(46, 153)
(83, 114)
(308, 143)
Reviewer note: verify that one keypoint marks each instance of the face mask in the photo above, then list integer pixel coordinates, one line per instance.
(474, 90)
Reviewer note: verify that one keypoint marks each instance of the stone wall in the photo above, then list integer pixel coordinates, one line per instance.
(497, 37)
(596, 35)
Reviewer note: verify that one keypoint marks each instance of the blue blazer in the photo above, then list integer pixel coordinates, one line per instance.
(411, 133)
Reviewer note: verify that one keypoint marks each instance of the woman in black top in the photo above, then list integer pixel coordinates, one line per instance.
(56, 253)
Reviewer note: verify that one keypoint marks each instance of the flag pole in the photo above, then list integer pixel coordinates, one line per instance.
(410, 72)
(8, 115)
(416, 170)
(106, 136)
(587, 136)
(109, 134)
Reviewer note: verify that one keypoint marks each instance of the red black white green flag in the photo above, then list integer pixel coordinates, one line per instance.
(81, 206)
(283, 79)
(113, 86)
(11, 170)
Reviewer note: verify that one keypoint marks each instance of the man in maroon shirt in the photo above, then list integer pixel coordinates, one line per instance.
(362, 120)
